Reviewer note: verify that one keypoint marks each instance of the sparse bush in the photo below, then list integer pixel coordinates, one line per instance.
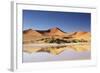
(59, 41)
(74, 41)
(67, 37)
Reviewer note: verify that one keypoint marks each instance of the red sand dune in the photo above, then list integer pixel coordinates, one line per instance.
(30, 34)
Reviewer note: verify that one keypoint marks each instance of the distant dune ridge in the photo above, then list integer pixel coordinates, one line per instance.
(49, 32)
(56, 31)
(30, 33)
(82, 35)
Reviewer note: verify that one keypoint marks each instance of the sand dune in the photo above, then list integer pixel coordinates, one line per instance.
(82, 35)
(54, 32)
(56, 35)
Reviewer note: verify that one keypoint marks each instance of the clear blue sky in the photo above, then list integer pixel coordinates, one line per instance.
(66, 21)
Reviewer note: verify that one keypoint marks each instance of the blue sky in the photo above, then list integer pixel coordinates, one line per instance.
(66, 21)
